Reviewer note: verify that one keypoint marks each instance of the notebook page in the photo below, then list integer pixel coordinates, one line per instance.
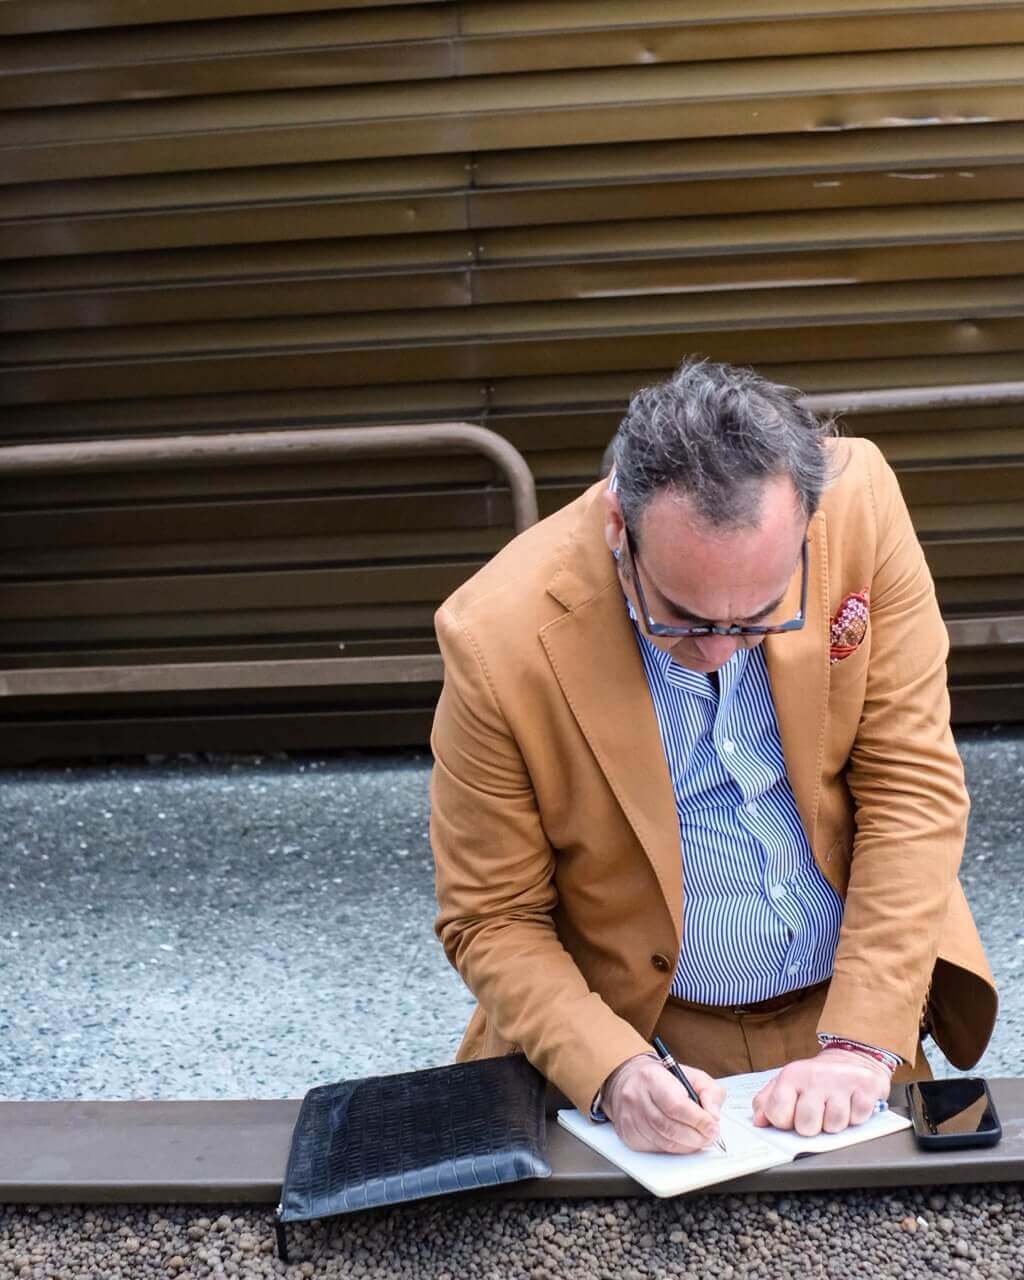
(669, 1175)
(740, 1092)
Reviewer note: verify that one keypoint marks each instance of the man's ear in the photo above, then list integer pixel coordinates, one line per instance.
(614, 527)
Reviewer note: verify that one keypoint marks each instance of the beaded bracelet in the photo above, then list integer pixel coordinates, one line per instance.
(888, 1060)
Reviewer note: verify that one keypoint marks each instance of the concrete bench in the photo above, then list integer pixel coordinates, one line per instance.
(234, 1152)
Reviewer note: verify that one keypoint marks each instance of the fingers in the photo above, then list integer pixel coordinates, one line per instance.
(808, 1114)
(645, 1130)
(710, 1092)
(862, 1107)
(651, 1111)
(758, 1104)
(675, 1108)
(821, 1095)
(776, 1103)
(783, 1106)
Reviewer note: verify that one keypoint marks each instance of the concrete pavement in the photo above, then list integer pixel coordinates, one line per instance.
(251, 928)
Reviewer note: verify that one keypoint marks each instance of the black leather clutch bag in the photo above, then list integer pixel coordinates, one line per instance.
(359, 1144)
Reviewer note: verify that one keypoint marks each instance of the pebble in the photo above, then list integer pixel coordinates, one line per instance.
(753, 1237)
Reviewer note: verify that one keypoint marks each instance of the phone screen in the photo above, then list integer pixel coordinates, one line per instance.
(952, 1106)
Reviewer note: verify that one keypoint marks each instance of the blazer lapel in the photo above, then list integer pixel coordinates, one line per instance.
(798, 672)
(594, 655)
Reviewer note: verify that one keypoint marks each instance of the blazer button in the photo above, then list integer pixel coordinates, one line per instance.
(661, 963)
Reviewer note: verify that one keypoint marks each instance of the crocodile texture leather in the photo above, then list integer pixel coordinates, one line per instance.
(386, 1139)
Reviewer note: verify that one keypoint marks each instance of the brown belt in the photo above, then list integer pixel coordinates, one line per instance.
(772, 1005)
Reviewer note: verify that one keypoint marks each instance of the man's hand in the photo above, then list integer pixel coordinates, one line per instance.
(823, 1094)
(651, 1110)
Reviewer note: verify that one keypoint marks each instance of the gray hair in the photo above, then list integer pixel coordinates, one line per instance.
(713, 433)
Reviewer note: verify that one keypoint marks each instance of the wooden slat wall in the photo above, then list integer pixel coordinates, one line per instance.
(238, 214)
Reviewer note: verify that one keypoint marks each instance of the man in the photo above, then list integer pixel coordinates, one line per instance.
(694, 777)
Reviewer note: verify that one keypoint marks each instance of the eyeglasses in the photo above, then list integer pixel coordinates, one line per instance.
(661, 629)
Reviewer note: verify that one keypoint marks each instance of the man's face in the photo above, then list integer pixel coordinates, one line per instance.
(693, 574)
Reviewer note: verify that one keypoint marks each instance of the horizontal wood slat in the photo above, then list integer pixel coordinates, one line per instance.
(560, 395)
(19, 16)
(777, 95)
(409, 516)
(727, 84)
(304, 233)
(764, 307)
(554, 171)
(114, 733)
(194, 677)
(276, 207)
(306, 364)
(72, 15)
(369, 46)
(610, 261)
(485, 252)
(260, 651)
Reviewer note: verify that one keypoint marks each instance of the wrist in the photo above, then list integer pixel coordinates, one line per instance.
(882, 1058)
(602, 1103)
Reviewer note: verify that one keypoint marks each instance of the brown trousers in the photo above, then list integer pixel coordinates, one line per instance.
(725, 1041)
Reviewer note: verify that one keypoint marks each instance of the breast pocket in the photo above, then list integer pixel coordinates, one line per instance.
(848, 676)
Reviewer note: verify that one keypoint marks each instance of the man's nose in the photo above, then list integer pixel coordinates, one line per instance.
(716, 649)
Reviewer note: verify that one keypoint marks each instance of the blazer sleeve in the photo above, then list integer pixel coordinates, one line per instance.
(910, 803)
(495, 881)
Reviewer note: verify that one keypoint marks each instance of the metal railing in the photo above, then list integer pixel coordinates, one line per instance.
(964, 633)
(896, 399)
(320, 444)
(325, 444)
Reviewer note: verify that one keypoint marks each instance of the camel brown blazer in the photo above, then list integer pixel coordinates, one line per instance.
(553, 821)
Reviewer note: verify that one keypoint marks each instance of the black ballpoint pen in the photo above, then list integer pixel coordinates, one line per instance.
(680, 1075)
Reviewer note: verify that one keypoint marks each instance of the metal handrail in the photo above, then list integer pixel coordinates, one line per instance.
(319, 444)
(885, 399)
(899, 399)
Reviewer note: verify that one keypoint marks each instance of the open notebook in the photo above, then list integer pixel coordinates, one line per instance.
(749, 1149)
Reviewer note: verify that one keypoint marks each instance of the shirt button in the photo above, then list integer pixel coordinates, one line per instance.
(728, 746)
(778, 891)
(661, 963)
(750, 807)
(793, 968)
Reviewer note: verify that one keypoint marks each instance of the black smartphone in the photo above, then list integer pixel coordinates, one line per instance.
(953, 1113)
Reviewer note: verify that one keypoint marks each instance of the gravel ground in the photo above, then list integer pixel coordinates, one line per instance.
(958, 1232)
(135, 896)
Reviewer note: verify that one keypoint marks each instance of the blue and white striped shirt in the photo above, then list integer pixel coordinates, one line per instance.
(759, 918)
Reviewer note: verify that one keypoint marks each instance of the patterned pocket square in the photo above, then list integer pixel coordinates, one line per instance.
(849, 626)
